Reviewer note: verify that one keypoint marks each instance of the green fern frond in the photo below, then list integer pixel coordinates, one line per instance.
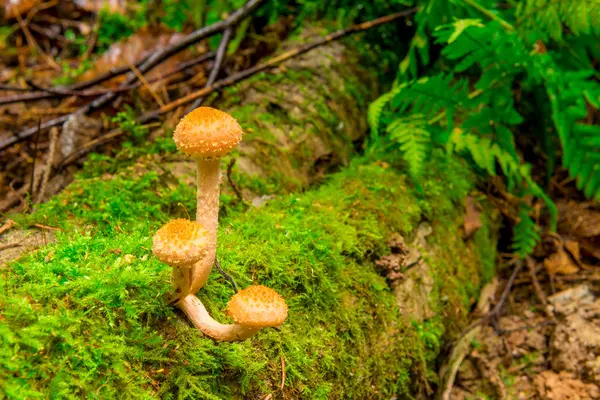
(572, 95)
(414, 140)
(549, 18)
(376, 108)
(525, 234)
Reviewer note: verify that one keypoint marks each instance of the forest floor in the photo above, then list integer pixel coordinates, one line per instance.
(545, 341)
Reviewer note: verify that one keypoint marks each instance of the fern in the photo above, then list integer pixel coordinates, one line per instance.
(525, 234)
(549, 18)
(570, 95)
(414, 139)
(491, 57)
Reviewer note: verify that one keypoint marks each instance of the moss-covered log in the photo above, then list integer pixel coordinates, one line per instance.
(85, 316)
(302, 120)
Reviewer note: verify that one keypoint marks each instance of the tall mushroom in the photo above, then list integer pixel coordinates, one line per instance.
(181, 243)
(252, 309)
(207, 134)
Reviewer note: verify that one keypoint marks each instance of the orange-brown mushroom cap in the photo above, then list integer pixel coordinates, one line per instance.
(257, 306)
(207, 133)
(180, 242)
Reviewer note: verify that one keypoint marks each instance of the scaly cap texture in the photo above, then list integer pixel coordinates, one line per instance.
(180, 242)
(207, 133)
(257, 306)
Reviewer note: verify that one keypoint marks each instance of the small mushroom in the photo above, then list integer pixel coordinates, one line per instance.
(180, 244)
(252, 309)
(207, 134)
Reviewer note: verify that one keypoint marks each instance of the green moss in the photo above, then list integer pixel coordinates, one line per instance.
(85, 316)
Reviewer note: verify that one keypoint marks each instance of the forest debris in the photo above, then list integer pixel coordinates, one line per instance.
(568, 301)
(461, 348)
(576, 340)
(22, 241)
(578, 219)
(573, 248)
(564, 386)
(113, 6)
(472, 218)
(77, 130)
(7, 225)
(14, 8)
(131, 50)
(560, 263)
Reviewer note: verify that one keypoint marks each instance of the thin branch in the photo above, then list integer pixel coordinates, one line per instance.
(221, 51)
(284, 57)
(234, 79)
(35, 149)
(495, 313)
(538, 288)
(226, 275)
(237, 192)
(57, 91)
(48, 168)
(14, 88)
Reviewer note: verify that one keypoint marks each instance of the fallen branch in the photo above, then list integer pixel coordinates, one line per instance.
(217, 67)
(151, 62)
(235, 78)
(284, 57)
(53, 92)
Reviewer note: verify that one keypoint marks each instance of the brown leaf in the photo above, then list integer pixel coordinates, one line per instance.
(12, 8)
(591, 247)
(132, 49)
(472, 219)
(578, 219)
(114, 6)
(560, 263)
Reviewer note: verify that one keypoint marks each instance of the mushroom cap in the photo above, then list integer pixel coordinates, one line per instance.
(207, 133)
(257, 306)
(180, 242)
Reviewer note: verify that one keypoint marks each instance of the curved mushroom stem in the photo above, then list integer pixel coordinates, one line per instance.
(181, 277)
(197, 313)
(207, 213)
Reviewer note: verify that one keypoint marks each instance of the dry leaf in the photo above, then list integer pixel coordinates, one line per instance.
(472, 219)
(578, 219)
(560, 263)
(114, 6)
(12, 8)
(591, 247)
(131, 50)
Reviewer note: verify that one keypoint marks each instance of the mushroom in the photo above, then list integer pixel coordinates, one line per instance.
(181, 243)
(253, 308)
(207, 134)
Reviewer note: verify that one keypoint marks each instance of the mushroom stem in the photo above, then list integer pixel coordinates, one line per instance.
(197, 313)
(207, 213)
(181, 283)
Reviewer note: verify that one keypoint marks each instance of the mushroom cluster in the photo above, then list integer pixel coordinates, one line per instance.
(206, 135)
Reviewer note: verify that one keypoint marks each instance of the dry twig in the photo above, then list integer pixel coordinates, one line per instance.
(538, 288)
(221, 51)
(8, 225)
(48, 167)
